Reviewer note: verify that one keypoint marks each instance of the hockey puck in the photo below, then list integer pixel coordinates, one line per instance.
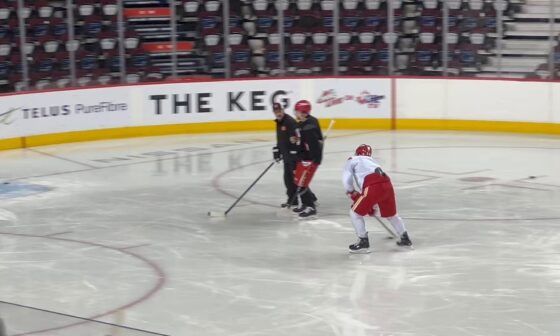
(532, 177)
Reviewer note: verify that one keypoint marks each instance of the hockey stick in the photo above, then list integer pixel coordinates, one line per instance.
(224, 214)
(331, 125)
(297, 193)
(299, 189)
(393, 234)
(2, 328)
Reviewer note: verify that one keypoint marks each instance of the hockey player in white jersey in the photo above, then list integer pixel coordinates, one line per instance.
(375, 189)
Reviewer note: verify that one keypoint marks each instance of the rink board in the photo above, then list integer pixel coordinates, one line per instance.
(35, 119)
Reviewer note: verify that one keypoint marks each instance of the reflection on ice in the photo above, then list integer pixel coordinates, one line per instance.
(119, 220)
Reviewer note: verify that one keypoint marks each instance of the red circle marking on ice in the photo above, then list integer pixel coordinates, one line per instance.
(156, 269)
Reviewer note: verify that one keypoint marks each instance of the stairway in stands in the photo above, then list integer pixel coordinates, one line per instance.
(526, 45)
(151, 19)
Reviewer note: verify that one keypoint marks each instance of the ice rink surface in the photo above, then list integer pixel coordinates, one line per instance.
(118, 231)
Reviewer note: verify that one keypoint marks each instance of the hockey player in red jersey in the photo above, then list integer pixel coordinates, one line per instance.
(310, 157)
(376, 189)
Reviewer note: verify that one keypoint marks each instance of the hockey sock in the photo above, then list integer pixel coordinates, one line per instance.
(398, 224)
(359, 224)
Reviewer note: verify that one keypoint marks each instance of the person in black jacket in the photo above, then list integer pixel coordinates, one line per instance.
(286, 149)
(311, 156)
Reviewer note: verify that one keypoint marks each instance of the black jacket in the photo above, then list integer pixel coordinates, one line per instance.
(316, 122)
(285, 129)
(311, 140)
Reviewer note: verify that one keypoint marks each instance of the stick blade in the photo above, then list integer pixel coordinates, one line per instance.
(218, 214)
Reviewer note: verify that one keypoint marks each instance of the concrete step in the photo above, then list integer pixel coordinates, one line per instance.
(508, 69)
(518, 62)
(531, 27)
(526, 52)
(537, 2)
(541, 9)
(530, 34)
(526, 44)
(500, 75)
(538, 16)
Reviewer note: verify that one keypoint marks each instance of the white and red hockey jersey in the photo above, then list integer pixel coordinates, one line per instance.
(357, 168)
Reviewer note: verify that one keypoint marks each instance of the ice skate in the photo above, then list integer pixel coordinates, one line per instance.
(299, 209)
(287, 204)
(307, 212)
(361, 246)
(404, 241)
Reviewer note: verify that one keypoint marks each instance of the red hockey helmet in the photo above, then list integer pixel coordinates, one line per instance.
(364, 150)
(303, 106)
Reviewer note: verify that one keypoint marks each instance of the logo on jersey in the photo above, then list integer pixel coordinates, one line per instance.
(329, 98)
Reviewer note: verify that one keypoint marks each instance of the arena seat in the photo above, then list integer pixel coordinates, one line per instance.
(254, 38)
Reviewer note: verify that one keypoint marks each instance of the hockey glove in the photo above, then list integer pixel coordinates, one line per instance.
(276, 154)
(354, 195)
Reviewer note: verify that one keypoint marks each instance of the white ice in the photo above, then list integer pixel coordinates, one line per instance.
(118, 231)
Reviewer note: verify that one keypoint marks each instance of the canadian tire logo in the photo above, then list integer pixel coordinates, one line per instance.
(8, 117)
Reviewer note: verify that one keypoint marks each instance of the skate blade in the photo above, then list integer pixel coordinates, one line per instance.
(312, 217)
(405, 247)
(362, 251)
